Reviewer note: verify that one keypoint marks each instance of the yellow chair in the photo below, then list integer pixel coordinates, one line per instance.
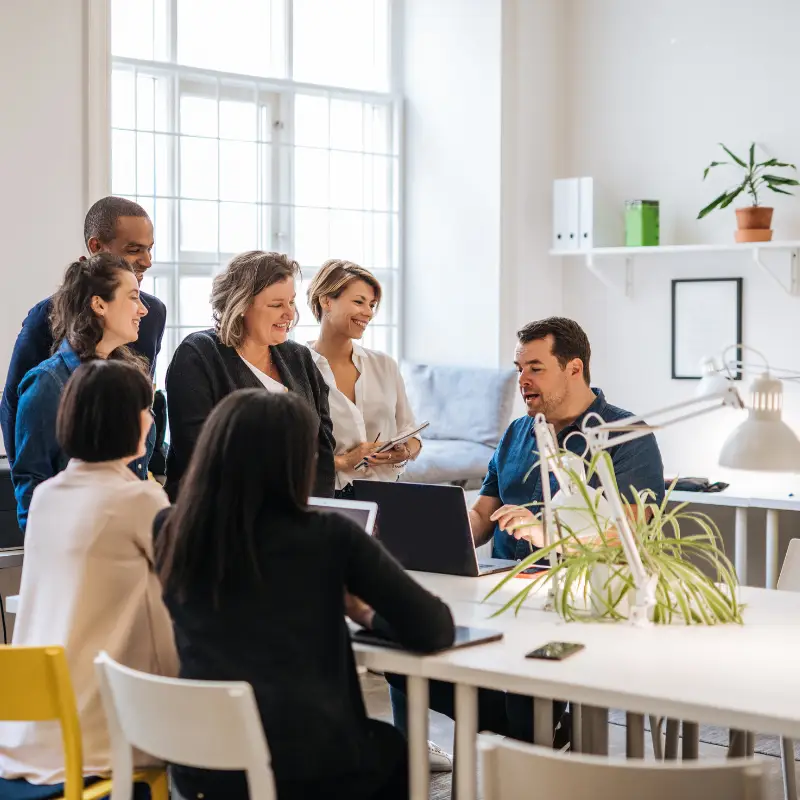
(42, 691)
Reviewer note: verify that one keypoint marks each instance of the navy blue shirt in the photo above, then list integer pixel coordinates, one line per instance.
(35, 344)
(637, 464)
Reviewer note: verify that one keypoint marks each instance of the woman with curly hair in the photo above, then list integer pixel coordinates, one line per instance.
(96, 313)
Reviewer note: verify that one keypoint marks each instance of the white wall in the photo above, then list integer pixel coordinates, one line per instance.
(653, 87)
(452, 58)
(42, 166)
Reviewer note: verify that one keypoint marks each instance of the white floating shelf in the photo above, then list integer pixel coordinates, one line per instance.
(679, 248)
(784, 253)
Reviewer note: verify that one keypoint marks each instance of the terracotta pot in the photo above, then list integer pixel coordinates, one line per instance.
(754, 224)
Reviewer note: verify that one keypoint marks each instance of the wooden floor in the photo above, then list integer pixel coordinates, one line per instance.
(441, 732)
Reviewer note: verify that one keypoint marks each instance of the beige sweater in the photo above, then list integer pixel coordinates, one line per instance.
(88, 584)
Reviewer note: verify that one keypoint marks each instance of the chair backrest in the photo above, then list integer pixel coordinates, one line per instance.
(43, 692)
(789, 579)
(205, 724)
(515, 771)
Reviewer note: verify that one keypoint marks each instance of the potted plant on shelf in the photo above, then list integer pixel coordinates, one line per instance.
(591, 579)
(754, 222)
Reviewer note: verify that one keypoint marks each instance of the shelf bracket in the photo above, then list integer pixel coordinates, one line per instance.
(788, 266)
(625, 288)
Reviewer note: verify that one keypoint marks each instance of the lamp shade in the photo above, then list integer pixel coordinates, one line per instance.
(713, 381)
(763, 442)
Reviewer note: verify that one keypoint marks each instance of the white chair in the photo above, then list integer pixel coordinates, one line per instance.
(210, 725)
(789, 581)
(517, 771)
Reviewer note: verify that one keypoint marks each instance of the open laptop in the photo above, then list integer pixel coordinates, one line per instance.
(426, 527)
(363, 514)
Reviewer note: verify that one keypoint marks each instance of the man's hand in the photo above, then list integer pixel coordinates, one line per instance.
(358, 610)
(519, 522)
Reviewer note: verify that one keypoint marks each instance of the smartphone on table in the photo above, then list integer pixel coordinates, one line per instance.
(555, 651)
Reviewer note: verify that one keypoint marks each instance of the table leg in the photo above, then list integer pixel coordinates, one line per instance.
(671, 745)
(772, 548)
(656, 723)
(466, 761)
(737, 745)
(418, 762)
(740, 555)
(543, 721)
(634, 735)
(577, 727)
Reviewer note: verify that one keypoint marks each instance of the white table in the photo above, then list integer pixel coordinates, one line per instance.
(741, 501)
(741, 677)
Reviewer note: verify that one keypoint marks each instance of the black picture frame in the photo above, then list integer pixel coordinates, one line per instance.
(692, 301)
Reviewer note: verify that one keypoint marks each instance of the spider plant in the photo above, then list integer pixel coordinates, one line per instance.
(592, 580)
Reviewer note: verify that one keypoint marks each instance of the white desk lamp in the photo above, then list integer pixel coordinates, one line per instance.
(763, 442)
(764, 446)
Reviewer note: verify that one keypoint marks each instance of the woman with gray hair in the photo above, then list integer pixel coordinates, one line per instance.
(253, 301)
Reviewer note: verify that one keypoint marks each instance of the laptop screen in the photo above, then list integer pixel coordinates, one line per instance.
(363, 514)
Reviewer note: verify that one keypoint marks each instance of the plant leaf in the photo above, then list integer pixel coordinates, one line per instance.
(713, 164)
(712, 205)
(735, 158)
(779, 180)
(752, 155)
(731, 197)
(779, 191)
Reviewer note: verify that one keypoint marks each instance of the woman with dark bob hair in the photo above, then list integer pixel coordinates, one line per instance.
(253, 301)
(258, 585)
(89, 581)
(96, 313)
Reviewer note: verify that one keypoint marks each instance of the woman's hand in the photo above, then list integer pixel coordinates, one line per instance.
(346, 462)
(358, 610)
(520, 523)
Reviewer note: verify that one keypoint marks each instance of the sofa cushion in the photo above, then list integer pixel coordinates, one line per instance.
(470, 403)
(449, 461)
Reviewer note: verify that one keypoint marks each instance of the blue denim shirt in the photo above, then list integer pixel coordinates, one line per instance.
(637, 464)
(38, 455)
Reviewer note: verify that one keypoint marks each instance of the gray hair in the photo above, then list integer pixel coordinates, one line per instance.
(101, 218)
(233, 290)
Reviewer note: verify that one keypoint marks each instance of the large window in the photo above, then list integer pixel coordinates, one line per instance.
(257, 124)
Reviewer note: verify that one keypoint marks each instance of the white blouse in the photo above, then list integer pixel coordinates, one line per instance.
(381, 409)
(270, 384)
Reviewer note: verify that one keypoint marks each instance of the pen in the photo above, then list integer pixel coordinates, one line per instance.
(363, 462)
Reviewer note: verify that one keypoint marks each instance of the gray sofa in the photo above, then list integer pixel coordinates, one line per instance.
(468, 409)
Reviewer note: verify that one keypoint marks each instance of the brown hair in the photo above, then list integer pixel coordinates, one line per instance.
(333, 278)
(99, 416)
(233, 290)
(569, 340)
(72, 318)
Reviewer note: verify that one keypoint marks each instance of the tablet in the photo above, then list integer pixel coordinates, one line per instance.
(465, 637)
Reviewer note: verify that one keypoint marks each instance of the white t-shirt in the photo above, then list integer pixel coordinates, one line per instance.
(381, 409)
(270, 384)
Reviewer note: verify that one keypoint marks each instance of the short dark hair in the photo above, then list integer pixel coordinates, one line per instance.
(99, 417)
(101, 218)
(569, 340)
(256, 454)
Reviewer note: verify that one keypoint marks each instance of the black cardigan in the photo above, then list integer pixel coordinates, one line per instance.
(285, 634)
(203, 371)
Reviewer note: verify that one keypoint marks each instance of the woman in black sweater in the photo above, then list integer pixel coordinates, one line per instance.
(253, 300)
(258, 586)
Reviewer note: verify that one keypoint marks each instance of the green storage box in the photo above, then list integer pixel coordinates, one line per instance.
(641, 223)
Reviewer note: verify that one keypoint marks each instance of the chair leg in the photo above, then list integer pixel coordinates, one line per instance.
(788, 769)
(671, 746)
(655, 734)
(690, 741)
(737, 746)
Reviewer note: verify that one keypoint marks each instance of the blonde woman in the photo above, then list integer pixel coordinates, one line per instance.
(368, 400)
(253, 301)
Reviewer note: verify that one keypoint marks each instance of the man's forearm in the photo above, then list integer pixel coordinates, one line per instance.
(481, 528)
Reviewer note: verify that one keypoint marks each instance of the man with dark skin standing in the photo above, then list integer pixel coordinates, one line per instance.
(113, 225)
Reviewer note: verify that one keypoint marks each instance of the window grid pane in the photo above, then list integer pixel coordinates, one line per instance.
(225, 164)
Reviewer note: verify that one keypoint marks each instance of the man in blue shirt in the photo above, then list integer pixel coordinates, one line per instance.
(112, 225)
(552, 359)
